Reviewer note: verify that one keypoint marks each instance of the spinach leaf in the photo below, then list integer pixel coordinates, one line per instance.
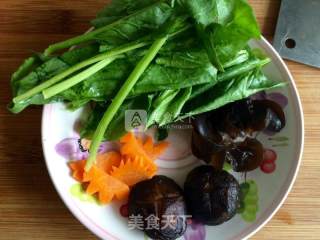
(160, 106)
(80, 54)
(137, 25)
(167, 107)
(241, 57)
(256, 60)
(26, 67)
(233, 37)
(158, 77)
(188, 59)
(102, 86)
(40, 74)
(174, 109)
(119, 9)
(224, 26)
(196, 58)
(206, 12)
(129, 28)
(229, 91)
(34, 71)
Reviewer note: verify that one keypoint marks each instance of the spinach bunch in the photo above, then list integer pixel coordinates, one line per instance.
(173, 58)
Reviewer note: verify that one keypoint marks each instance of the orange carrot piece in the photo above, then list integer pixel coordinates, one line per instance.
(108, 160)
(77, 169)
(133, 171)
(104, 161)
(132, 147)
(105, 185)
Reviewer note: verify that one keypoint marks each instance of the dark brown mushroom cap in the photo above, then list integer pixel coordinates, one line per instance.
(245, 156)
(228, 133)
(212, 196)
(163, 198)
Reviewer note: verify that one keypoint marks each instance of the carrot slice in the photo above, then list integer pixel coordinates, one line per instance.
(133, 147)
(108, 160)
(105, 185)
(104, 161)
(133, 171)
(113, 173)
(77, 169)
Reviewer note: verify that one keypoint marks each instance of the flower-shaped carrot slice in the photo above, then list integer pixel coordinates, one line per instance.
(132, 171)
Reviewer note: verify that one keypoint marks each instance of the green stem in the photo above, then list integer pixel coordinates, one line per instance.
(77, 67)
(120, 97)
(60, 87)
(90, 35)
(229, 74)
(242, 68)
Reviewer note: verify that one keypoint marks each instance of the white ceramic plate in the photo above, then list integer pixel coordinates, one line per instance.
(106, 221)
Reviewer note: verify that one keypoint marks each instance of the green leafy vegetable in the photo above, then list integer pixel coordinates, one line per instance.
(167, 107)
(126, 29)
(226, 92)
(197, 58)
(103, 85)
(225, 26)
(234, 36)
(231, 73)
(206, 12)
(28, 66)
(158, 77)
(120, 9)
(52, 91)
(186, 60)
(160, 107)
(126, 62)
(69, 57)
(38, 75)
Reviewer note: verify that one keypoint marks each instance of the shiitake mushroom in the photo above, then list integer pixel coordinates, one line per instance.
(159, 197)
(228, 133)
(245, 156)
(275, 117)
(212, 195)
(244, 117)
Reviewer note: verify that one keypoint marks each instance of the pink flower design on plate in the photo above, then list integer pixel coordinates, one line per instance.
(195, 231)
(73, 149)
